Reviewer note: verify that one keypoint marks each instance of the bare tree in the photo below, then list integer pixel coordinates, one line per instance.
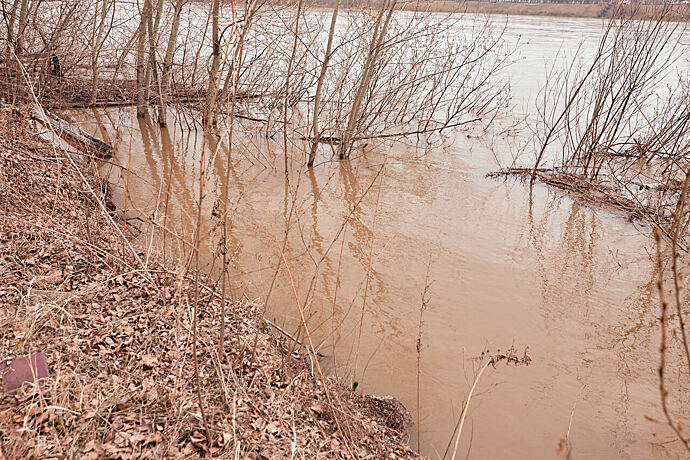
(215, 62)
(142, 61)
(101, 30)
(377, 40)
(316, 132)
(168, 61)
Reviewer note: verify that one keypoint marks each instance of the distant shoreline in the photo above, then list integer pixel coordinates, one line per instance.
(568, 10)
(564, 10)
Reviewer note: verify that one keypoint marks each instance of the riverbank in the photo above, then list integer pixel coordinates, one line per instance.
(565, 10)
(572, 10)
(115, 325)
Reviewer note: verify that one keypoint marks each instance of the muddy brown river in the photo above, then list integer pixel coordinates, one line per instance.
(507, 267)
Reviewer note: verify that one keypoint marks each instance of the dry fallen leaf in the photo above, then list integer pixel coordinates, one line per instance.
(149, 361)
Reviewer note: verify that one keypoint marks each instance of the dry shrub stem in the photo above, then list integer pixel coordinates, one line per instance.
(677, 288)
(335, 297)
(312, 349)
(423, 306)
(662, 347)
(195, 309)
(366, 283)
(489, 359)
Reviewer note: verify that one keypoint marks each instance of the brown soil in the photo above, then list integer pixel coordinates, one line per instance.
(117, 336)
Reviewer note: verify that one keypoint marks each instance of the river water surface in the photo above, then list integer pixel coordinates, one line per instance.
(507, 266)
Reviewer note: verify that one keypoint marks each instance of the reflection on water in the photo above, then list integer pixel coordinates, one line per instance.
(509, 265)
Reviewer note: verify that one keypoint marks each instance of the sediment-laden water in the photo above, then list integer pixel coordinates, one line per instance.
(507, 266)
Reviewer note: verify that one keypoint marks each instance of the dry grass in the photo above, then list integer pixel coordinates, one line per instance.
(118, 341)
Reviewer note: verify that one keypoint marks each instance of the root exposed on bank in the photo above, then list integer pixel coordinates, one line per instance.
(117, 337)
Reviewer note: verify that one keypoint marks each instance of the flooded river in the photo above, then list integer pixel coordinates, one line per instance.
(507, 266)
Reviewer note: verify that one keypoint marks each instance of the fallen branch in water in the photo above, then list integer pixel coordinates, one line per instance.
(71, 134)
(585, 191)
(338, 140)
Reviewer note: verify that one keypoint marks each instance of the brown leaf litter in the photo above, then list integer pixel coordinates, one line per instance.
(117, 338)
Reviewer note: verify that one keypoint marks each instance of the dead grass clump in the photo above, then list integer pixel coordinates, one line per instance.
(117, 337)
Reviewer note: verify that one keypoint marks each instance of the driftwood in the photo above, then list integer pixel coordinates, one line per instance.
(71, 134)
(587, 192)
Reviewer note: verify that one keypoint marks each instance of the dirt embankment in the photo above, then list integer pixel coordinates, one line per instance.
(116, 328)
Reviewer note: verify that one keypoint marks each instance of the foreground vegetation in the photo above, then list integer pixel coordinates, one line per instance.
(155, 359)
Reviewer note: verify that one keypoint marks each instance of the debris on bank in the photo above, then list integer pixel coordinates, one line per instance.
(637, 202)
(115, 326)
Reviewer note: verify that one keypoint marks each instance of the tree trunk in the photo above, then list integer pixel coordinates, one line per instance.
(153, 28)
(23, 15)
(212, 95)
(378, 37)
(167, 63)
(316, 133)
(10, 27)
(98, 38)
(287, 87)
(142, 103)
(71, 134)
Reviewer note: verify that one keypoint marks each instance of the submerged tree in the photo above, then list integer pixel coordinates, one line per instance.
(340, 78)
